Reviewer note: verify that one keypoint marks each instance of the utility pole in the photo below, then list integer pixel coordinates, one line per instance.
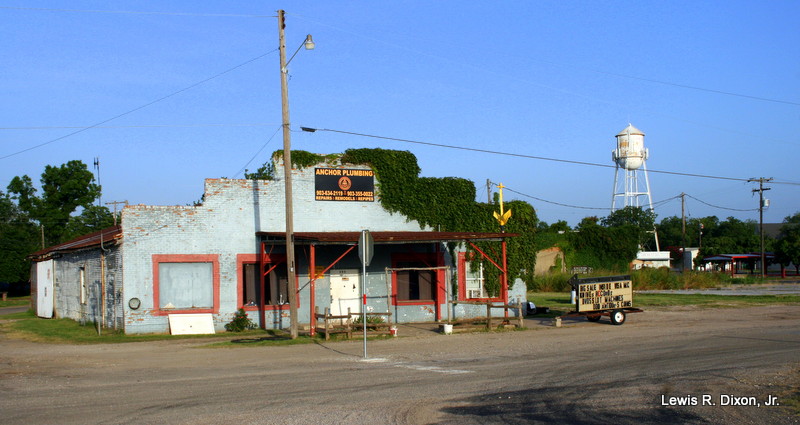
(115, 203)
(683, 231)
(488, 191)
(761, 206)
(287, 173)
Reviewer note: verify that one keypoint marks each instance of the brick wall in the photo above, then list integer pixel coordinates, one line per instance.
(225, 225)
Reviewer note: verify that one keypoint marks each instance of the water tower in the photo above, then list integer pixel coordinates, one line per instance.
(630, 158)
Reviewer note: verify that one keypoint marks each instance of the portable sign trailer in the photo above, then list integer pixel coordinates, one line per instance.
(610, 296)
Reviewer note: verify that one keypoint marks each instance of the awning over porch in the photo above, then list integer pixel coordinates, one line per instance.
(346, 238)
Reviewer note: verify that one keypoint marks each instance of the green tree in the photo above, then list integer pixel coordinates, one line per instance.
(787, 247)
(92, 219)
(639, 218)
(18, 238)
(64, 189)
(604, 247)
(732, 236)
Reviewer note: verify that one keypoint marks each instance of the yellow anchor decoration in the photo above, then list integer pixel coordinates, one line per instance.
(503, 216)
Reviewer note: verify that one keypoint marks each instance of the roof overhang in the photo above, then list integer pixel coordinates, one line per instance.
(109, 235)
(349, 238)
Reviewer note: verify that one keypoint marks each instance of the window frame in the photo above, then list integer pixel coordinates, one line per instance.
(435, 259)
(84, 293)
(241, 260)
(186, 258)
(462, 279)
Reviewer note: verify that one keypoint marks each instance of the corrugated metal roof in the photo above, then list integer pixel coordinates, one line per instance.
(107, 235)
(384, 237)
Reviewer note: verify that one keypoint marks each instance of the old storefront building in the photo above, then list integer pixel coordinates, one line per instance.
(230, 253)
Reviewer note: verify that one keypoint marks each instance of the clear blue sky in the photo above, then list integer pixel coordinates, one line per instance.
(553, 79)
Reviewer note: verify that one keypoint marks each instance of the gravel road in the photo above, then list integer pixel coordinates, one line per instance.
(640, 372)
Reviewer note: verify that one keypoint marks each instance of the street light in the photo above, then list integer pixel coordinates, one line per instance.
(287, 170)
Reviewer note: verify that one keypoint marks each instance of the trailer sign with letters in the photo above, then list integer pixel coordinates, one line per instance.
(604, 294)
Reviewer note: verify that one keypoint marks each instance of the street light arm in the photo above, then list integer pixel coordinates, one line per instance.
(308, 44)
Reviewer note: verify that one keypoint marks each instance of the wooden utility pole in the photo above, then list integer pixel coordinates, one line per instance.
(115, 203)
(287, 174)
(683, 231)
(760, 191)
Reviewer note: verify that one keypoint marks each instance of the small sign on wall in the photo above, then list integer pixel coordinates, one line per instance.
(344, 184)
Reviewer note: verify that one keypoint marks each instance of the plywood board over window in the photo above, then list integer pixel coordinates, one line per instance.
(185, 283)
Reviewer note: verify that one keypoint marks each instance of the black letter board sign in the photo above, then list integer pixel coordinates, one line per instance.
(342, 184)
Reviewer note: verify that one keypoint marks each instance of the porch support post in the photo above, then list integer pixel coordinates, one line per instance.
(505, 277)
(313, 295)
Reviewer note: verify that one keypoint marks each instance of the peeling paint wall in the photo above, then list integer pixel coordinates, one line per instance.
(225, 225)
(67, 286)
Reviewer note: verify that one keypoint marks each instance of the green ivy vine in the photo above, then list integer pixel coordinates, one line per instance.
(448, 204)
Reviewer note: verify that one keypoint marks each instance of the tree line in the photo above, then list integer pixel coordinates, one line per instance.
(31, 219)
(612, 242)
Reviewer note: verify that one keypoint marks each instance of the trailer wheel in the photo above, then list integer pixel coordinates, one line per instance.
(617, 317)
(593, 318)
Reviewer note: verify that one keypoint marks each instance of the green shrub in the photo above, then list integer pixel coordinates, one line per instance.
(240, 322)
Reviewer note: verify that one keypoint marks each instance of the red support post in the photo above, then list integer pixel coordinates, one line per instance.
(505, 277)
(312, 285)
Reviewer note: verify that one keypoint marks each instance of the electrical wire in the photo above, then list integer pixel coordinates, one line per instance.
(259, 151)
(542, 158)
(133, 12)
(140, 126)
(722, 208)
(553, 202)
(219, 74)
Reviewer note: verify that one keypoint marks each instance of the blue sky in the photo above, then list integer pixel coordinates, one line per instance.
(554, 79)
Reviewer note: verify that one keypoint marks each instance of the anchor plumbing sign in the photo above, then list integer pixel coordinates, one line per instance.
(604, 295)
(343, 184)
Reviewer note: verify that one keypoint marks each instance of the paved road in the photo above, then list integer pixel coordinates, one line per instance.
(754, 289)
(581, 373)
(15, 309)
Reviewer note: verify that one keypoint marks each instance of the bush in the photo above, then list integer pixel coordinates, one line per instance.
(240, 322)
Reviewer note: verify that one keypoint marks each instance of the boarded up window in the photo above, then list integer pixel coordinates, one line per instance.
(250, 295)
(278, 286)
(185, 285)
(415, 285)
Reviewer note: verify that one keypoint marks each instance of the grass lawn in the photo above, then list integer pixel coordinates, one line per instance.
(559, 301)
(67, 331)
(15, 301)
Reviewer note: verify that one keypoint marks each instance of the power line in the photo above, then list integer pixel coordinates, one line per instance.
(722, 208)
(219, 74)
(259, 151)
(54, 127)
(593, 164)
(134, 12)
(553, 202)
(685, 86)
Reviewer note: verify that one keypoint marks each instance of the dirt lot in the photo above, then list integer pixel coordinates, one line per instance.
(581, 373)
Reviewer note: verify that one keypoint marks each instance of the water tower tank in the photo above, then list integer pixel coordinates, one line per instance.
(630, 152)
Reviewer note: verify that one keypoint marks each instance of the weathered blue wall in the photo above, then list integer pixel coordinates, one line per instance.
(225, 225)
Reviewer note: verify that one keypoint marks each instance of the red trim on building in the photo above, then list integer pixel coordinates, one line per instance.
(431, 260)
(186, 258)
(462, 280)
(275, 260)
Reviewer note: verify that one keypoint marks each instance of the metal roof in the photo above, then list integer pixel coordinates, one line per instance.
(630, 129)
(108, 235)
(383, 237)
